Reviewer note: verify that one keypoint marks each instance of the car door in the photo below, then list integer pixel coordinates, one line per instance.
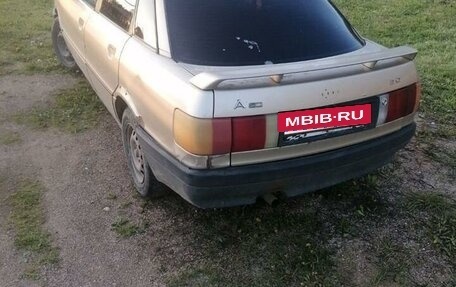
(73, 16)
(105, 36)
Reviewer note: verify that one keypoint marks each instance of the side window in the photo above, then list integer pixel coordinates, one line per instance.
(119, 11)
(91, 2)
(145, 22)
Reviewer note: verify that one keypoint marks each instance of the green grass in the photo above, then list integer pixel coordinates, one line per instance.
(25, 34)
(75, 110)
(446, 157)
(125, 228)
(27, 219)
(393, 263)
(256, 246)
(442, 231)
(10, 138)
(361, 195)
(427, 202)
(289, 245)
(282, 246)
(437, 146)
(440, 222)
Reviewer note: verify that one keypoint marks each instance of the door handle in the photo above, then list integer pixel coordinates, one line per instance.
(81, 23)
(111, 51)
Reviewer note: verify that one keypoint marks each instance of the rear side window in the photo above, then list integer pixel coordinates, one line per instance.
(145, 22)
(119, 11)
(256, 32)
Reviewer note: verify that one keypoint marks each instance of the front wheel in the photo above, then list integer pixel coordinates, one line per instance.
(60, 47)
(145, 182)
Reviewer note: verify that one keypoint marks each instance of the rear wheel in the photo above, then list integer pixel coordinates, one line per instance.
(145, 182)
(60, 47)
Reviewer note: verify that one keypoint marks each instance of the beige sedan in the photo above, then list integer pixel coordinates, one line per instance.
(225, 102)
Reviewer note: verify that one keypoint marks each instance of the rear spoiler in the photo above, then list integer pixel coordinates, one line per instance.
(211, 80)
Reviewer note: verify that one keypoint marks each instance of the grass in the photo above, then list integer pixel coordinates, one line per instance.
(437, 145)
(10, 138)
(393, 263)
(75, 110)
(289, 245)
(361, 195)
(446, 157)
(27, 218)
(442, 231)
(439, 222)
(257, 247)
(125, 228)
(431, 202)
(26, 37)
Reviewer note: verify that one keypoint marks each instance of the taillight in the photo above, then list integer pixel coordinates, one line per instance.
(219, 136)
(249, 133)
(202, 136)
(403, 102)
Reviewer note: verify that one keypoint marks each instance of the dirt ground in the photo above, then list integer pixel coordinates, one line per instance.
(88, 186)
(76, 170)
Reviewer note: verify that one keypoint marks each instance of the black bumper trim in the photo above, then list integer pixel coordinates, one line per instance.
(240, 185)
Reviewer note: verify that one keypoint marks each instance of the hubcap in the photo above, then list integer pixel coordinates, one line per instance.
(137, 157)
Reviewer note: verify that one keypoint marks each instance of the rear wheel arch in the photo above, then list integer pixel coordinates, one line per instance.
(122, 101)
(119, 107)
(143, 177)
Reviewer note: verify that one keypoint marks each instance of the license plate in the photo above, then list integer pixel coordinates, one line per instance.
(302, 126)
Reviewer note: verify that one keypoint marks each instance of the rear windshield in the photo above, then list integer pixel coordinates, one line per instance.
(256, 32)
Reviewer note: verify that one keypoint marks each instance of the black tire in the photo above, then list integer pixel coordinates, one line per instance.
(143, 179)
(60, 47)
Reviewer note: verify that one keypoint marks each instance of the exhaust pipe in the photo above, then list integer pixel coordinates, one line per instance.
(270, 199)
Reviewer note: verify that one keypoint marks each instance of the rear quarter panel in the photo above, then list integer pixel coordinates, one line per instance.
(156, 86)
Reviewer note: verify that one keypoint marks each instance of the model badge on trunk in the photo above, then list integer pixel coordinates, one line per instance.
(256, 105)
(239, 105)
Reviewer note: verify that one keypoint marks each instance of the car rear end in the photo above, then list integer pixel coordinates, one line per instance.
(301, 101)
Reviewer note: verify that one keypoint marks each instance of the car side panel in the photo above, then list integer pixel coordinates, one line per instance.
(157, 86)
(104, 44)
(73, 16)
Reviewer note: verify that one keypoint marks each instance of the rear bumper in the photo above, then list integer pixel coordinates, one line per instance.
(241, 185)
